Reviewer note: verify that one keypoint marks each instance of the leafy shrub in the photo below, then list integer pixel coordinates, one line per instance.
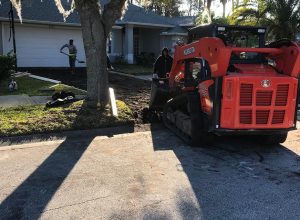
(7, 65)
(119, 60)
(146, 59)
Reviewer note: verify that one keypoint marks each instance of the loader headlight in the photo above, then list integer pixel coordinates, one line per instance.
(229, 89)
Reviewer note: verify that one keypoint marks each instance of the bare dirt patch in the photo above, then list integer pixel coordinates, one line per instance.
(134, 92)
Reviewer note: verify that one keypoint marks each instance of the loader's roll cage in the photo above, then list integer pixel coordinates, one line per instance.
(219, 56)
(234, 36)
(230, 34)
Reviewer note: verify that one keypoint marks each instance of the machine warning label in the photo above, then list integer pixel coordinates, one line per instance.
(189, 51)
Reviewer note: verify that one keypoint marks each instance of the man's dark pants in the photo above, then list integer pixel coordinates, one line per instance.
(72, 61)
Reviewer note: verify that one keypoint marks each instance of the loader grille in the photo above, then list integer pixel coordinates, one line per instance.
(264, 98)
(263, 107)
(246, 117)
(282, 95)
(246, 95)
(262, 117)
(278, 117)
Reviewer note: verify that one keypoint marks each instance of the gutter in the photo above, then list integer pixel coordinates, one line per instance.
(28, 21)
(187, 25)
(146, 24)
(170, 34)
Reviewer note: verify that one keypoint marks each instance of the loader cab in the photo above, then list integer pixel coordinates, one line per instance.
(196, 70)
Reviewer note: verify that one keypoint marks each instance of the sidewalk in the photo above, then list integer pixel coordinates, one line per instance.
(7, 101)
(19, 100)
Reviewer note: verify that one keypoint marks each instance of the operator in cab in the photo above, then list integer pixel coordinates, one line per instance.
(163, 64)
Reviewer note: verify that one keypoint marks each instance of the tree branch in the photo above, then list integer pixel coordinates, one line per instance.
(112, 12)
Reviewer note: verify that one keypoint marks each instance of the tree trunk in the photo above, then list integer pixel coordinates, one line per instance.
(190, 8)
(224, 8)
(96, 24)
(209, 5)
(94, 40)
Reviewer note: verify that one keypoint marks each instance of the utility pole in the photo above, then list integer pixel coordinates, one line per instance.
(11, 12)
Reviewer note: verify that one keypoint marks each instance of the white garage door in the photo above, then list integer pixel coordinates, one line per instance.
(39, 45)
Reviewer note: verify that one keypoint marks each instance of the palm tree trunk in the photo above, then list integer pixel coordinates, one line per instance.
(224, 8)
(209, 4)
(235, 4)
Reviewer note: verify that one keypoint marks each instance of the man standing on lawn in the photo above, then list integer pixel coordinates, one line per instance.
(72, 54)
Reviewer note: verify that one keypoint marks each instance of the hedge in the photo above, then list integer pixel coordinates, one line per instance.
(7, 65)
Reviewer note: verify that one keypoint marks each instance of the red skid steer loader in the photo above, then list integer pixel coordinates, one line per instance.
(227, 81)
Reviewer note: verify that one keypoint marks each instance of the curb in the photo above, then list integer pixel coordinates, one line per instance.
(110, 131)
(77, 134)
(81, 90)
(44, 79)
(129, 76)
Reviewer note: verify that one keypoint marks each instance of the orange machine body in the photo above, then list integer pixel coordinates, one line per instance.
(248, 104)
(254, 96)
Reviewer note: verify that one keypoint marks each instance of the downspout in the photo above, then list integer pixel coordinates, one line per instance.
(11, 14)
(1, 39)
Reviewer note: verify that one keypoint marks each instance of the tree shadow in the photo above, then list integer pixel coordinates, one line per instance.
(74, 132)
(110, 131)
(30, 198)
(236, 178)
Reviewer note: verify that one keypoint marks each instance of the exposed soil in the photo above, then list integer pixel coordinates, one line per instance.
(135, 93)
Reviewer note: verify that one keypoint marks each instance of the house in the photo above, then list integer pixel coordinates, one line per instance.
(43, 32)
(298, 38)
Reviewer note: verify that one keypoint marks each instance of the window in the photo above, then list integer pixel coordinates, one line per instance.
(195, 69)
(243, 38)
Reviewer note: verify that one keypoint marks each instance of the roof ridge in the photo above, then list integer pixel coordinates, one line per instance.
(135, 14)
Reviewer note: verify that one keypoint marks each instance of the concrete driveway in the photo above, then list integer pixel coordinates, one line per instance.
(150, 175)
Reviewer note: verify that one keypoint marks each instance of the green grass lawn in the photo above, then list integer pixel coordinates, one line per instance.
(39, 119)
(26, 85)
(35, 87)
(133, 69)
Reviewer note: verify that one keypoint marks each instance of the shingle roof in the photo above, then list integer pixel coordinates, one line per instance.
(138, 14)
(177, 30)
(41, 11)
(46, 11)
(184, 20)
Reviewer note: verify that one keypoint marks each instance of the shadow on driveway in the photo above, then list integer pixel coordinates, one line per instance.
(30, 198)
(33, 195)
(236, 178)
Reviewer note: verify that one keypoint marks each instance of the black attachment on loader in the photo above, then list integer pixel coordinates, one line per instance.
(159, 93)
